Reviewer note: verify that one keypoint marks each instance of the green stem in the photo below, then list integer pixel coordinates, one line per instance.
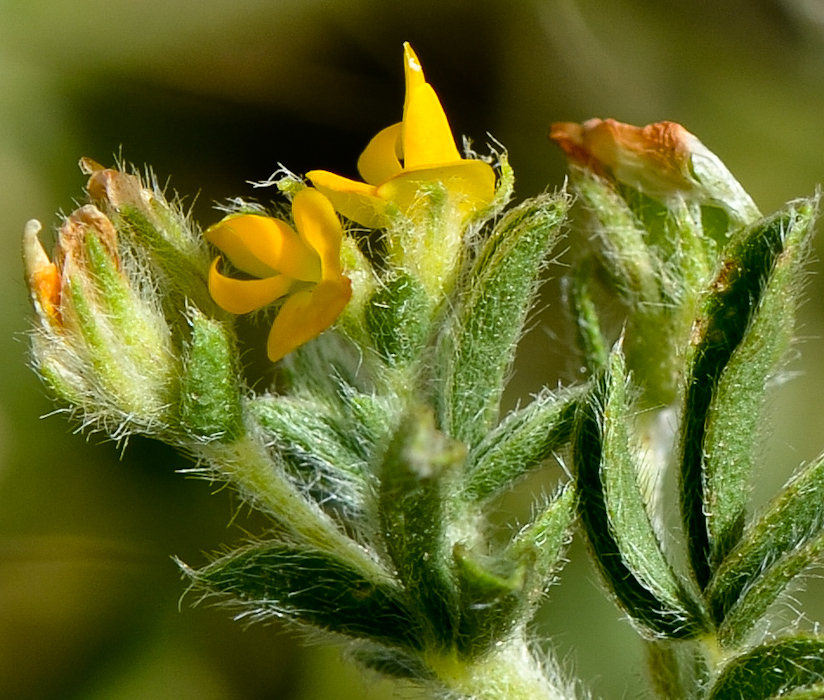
(247, 465)
(509, 672)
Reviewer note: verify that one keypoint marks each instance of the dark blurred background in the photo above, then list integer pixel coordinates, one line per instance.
(213, 94)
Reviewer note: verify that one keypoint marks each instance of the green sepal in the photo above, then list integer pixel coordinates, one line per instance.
(275, 579)
(490, 594)
(616, 520)
(773, 670)
(210, 392)
(418, 460)
(743, 326)
(397, 319)
(520, 443)
(783, 543)
(630, 261)
(179, 256)
(478, 345)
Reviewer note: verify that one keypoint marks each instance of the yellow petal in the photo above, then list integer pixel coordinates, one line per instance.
(426, 137)
(318, 225)
(380, 160)
(470, 184)
(43, 275)
(263, 246)
(354, 200)
(243, 296)
(412, 71)
(306, 314)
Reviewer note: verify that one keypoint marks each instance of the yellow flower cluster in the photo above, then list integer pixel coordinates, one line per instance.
(302, 268)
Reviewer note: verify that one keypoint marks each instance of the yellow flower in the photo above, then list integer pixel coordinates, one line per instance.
(406, 156)
(303, 266)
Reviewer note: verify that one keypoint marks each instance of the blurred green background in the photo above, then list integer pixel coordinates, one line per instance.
(214, 93)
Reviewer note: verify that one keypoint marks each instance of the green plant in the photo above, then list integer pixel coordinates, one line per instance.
(381, 453)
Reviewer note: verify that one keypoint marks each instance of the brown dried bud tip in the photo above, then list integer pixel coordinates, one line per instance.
(46, 278)
(654, 158)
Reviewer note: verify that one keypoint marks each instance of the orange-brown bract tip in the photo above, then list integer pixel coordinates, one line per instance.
(655, 157)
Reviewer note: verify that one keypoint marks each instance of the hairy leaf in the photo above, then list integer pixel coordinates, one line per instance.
(773, 670)
(478, 346)
(521, 442)
(418, 461)
(311, 587)
(612, 509)
(730, 360)
(210, 393)
(397, 318)
(774, 550)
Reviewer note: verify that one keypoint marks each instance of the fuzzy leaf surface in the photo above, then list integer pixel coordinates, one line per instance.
(478, 346)
(541, 544)
(210, 394)
(781, 544)
(521, 442)
(418, 461)
(328, 456)
(794, 665)
(615, 518)
(729, 313)
(311, 587)
(397, 317)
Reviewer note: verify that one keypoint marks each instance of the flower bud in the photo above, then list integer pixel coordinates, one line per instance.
(102, 343)
(173, 247)
(662, 160)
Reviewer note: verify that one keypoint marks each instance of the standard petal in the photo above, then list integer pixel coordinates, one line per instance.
(243, 296)
(263, 247)
(380, 160)
(470, 183)
(306, 314)
(427, 137)
(354, 200)
(318, 225)
(412, 71)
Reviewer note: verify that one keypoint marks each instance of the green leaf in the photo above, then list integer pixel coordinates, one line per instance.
(541, 544)
(210, 393)
(502, 591)
(478, 345)
(784, 542)
(180, 257)
(393, 663)
(520, 443)
(615, 517)
(593, 346)
(418, 461)
(324, 451)
(676, 669)
(794, 665)
(397, 318)
(490, 595)
(275, 579)
(737, 338)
